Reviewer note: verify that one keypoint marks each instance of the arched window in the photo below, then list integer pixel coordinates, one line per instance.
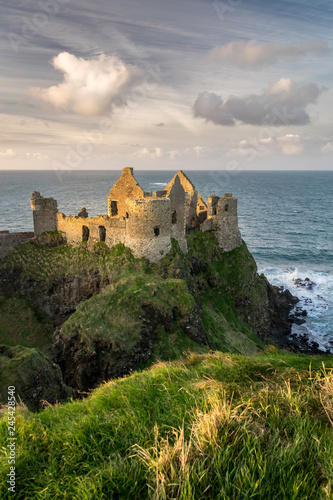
(102, 233)
(85, 233)
(174, 217)
(226, 208)
(156, 231)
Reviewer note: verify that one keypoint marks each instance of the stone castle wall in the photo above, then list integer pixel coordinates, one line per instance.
(148, 228)
(125, 187)
(177, 197)
(143, 221)
(9, 241)
(225, 223)
(44, 213)
(92, 229)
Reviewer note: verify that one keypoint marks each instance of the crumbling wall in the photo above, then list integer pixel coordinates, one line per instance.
(92, 229)
(201, 209)
(176, 195)
(125, 187)
(226, 223)
(148, 228)
(9, 241)
(44, 213)
(191, 200)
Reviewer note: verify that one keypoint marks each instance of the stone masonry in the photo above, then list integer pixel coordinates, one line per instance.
(143, 221)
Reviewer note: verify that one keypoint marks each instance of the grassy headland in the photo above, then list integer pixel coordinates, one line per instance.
(214, 426)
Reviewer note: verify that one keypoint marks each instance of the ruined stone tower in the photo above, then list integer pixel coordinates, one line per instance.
(223, 213)
(44, 213)
(191, 200)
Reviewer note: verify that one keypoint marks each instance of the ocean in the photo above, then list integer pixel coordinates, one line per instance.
(285, 218)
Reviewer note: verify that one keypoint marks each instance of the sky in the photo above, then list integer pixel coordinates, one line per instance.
(188, 84)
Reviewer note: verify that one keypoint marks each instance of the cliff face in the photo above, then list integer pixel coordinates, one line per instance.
(114, 313)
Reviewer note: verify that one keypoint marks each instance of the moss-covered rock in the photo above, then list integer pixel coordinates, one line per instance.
(36, 379)
(113, 333)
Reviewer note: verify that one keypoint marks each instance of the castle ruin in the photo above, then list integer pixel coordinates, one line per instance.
(144, 221)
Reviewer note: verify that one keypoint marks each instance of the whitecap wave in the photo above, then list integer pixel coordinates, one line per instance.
(317, 300)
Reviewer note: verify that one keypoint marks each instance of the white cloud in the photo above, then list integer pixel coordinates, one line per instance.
(328, 148)
(252, 54)
(9, 153)
(290, 144)
(200, 150)
(173, 154)
(149, 153)
(91, 86)
(283, 103)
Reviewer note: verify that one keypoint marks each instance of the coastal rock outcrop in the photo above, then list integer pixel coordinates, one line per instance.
(113, 333)
(37, 380)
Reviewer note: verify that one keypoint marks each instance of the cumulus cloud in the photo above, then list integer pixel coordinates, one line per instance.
(283, 103)
(90, 87)
(149, 153)
(9, 153)
(289, 144)
(328, 148)
(211, 107)
(252, 54)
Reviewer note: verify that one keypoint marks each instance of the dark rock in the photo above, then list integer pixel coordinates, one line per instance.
(35, 377)
(306, 283)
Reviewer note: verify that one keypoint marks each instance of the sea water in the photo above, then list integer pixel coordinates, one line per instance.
(285, 218)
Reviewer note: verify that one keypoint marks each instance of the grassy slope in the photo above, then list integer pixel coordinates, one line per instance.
(214, 426)
(22, 324)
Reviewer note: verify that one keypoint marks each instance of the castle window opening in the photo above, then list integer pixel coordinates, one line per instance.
(226, 208)
(202, 207)
(102, 233)
(214, 211)
(85, 233)
(156, 231)
(174, 217)
(127, 215)
(114, 208)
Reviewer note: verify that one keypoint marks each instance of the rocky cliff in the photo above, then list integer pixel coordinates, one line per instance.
(115, 314)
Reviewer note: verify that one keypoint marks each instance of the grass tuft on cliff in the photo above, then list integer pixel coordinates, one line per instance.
(216, 426)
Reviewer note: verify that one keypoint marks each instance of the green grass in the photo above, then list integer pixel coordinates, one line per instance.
(214, 426)
(22, 324)
(116, 315)
(46, 264)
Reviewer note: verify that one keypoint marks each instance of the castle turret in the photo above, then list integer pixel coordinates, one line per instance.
(148, 227)
(223, 212)
(44, 213)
